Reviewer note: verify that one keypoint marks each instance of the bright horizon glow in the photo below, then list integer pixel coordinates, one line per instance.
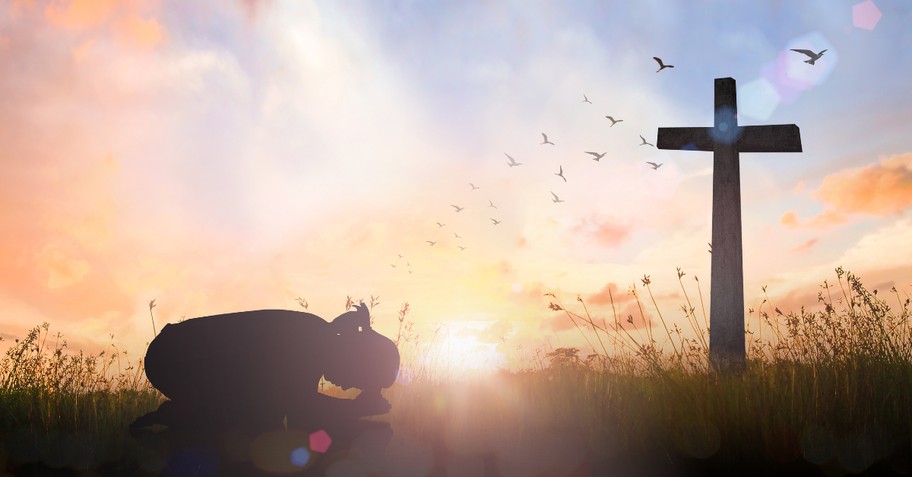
(459, 353)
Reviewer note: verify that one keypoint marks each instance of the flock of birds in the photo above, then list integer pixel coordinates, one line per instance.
(595, 156)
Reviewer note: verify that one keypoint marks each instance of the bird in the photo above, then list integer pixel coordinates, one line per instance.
(393, 265)
(654, 165)
(556, 199)
(430, 242)
(491, 204)
(586, 99)
(461, 247)
(400, 255)
(596, 156)
(662, 66)
(645, 143)
(440, 225)
(813, 56)
(512, 162)
(474, 186)
(456, 235)
(546, 141)
(561, 173)
(458, 208)
(613, 121)
(495, 221)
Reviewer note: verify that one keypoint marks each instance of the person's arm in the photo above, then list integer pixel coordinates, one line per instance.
(322, 408)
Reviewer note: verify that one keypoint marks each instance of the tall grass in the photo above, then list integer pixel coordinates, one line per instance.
(830, 387)
(55, 404)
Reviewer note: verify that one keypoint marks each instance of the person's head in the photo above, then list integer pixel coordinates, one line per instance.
(363, 360)
(352, 321)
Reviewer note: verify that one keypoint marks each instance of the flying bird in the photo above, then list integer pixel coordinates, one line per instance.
(456, 235)
(556, 199)
(586, 99)
(439, 225)
(596, 156)
(613, 121)
(430, 242)
(461, 247)
(393, 265)
(561, 173)
(512, 162)
(644, 142)
(458, 208)
(400, 255)
(813, 56)
(474, 186)
(495, 221)
(491, 204)
(546, 141)
(662, 66)
(654, 165)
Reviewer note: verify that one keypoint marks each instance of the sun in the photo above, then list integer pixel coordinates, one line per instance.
(460, 353)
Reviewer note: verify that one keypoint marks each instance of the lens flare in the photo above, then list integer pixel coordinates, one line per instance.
(320, 441)
(758, 99)
(865, 15)
(300, 457)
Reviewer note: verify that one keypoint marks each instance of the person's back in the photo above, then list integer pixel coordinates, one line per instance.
(258, 366)
(255, 358)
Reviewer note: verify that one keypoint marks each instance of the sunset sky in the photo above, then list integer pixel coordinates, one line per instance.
(223, 156)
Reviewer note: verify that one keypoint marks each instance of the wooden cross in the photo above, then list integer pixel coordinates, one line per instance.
(726, 139)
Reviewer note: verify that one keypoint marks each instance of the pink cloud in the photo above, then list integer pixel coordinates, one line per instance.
(601, 230)
(608, 293)
(804, 247)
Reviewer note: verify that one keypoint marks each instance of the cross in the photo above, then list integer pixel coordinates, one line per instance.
(726, 139)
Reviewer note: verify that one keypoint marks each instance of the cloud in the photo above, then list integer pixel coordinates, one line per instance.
(144, 33)
(608, 293)
(131, 23)
(804, 247)
(600, 230)
(79, 14)
(881, 189)
(630, 318)
(252, 6)
(560, 322)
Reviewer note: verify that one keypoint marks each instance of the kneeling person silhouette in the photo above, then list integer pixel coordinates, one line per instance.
(257, 368)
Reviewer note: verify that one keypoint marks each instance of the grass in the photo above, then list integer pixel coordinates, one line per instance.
(825, 389)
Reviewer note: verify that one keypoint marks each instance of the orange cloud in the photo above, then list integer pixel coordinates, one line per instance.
(805, 246)
(79, 14)
(608, 293)
(882, 189)
(556, 323)
(789, 219)
(143, 33)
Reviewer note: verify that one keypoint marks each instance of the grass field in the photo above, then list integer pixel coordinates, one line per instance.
(826, 392)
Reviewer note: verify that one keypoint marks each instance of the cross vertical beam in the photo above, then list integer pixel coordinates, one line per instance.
(726, 296)
(726, 139)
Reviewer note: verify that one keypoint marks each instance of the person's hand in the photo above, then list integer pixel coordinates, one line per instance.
(370, 404)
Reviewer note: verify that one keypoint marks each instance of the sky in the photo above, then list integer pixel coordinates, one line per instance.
(225, 156)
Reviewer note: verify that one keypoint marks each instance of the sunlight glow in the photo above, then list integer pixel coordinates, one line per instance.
(461, 352)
